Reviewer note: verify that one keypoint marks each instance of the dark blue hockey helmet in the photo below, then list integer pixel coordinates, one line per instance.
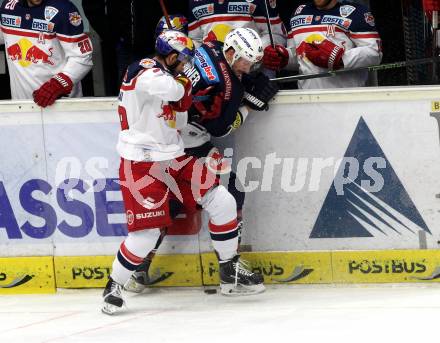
(178, 23)
(175, 41)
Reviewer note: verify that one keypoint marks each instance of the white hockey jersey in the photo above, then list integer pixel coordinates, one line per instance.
(42, 41)
(348, 25)
(212, 20)
(146, 135)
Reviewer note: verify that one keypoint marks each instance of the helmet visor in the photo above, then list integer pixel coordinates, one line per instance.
(186, 59)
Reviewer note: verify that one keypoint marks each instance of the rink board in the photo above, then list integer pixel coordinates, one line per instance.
(60, 196)
(386, 266)
(93, 271)
(277, 267)
(25, 275)
(43, 274)
(186, 270)
(377, 266)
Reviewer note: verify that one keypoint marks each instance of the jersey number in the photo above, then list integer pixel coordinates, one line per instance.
(11, 4)
(85, 46)
(123, 117)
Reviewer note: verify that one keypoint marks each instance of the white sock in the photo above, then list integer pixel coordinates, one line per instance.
(132, 252)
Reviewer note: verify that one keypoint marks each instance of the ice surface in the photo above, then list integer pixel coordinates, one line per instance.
(287, 313)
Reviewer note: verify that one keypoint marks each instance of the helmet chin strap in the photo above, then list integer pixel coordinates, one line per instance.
(232, 60)
(172, 67)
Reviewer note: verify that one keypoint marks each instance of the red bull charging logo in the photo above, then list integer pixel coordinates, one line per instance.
(26, 53)
(218, 32)
(179, 23)
(186, 42)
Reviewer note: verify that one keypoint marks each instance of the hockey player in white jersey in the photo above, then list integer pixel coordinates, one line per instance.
(47, 51)
(225, 94)
(154, 170)
(329, 35)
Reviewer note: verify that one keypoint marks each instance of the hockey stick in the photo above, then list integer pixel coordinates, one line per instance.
(269, 27)
(206, 289)
(165, 13)
(434, 43)
(431, 9)
(376, 67)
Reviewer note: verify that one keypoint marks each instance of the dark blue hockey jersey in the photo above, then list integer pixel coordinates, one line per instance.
(225, 93)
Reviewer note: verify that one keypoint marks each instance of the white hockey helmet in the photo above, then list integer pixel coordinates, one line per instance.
(246, 43)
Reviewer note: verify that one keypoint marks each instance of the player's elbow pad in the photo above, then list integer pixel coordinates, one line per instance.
(240, 117)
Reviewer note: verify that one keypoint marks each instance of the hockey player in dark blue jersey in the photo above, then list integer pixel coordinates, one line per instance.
(224, 93)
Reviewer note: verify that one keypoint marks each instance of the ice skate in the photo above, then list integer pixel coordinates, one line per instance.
(113, 300)
(140, 279)
(236, 279)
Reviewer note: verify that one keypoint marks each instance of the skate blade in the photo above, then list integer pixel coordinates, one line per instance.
(110, 309)
(239, 290)
(132, 286)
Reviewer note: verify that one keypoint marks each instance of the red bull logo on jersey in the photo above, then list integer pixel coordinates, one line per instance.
(25, 53)
(315, 38)
(369, 19)
(75, 19)
(147, 63)
(11, 20)
(218, 32)
(36, 55)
